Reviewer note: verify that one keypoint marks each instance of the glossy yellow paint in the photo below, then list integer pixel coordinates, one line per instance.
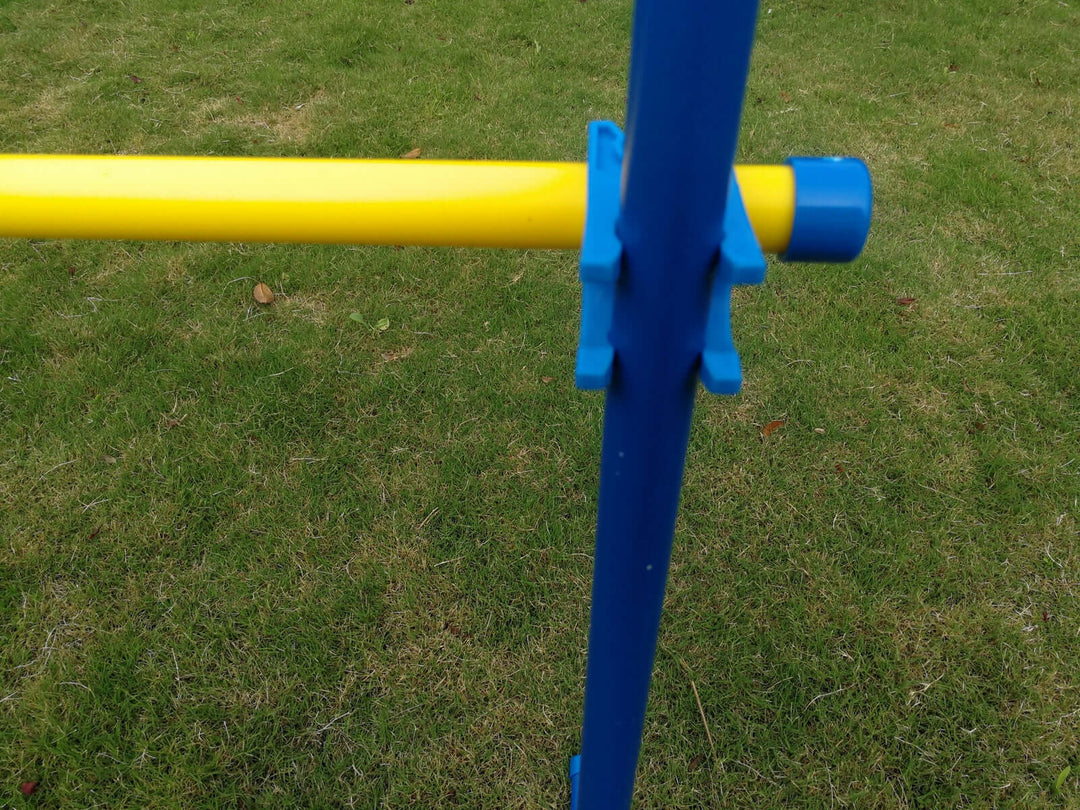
(768, 193)
(389, 202)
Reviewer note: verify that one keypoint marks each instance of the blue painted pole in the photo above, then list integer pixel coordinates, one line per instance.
(689, 62)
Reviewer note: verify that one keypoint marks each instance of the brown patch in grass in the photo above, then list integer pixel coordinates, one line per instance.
(311, 308)
(52, 106)
(291, 124)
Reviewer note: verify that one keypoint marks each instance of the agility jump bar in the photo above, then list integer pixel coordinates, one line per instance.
(381, 202)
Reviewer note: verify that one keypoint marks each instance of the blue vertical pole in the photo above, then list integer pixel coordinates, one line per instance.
(689, 62)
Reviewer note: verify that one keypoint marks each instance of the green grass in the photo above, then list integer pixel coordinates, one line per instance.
(268, 557)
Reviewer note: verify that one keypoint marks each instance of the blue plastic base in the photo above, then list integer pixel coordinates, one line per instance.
(575, 773)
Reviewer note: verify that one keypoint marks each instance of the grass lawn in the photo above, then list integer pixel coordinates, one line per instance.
(275, 556)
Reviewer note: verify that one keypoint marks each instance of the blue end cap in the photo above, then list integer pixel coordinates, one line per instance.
(833, 199)
(601, 256)
(741, 262)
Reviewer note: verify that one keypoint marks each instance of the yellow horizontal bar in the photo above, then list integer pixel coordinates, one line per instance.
(478, 204)
(768, 194)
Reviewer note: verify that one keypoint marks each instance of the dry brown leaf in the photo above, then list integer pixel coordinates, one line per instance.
(263, 294)
(412, 154)
(905, 302)
(774, 425)
(784, 97)
(547, 379)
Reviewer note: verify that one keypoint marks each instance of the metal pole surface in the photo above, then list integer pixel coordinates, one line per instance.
(689, 63)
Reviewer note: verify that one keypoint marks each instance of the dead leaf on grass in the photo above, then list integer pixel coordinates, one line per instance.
(263, 294)
(905, 302)
(770, 428)
(171, 421)
(412, 154)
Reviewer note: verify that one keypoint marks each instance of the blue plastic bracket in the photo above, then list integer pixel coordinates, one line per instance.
(740, 262)
(601, 256)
